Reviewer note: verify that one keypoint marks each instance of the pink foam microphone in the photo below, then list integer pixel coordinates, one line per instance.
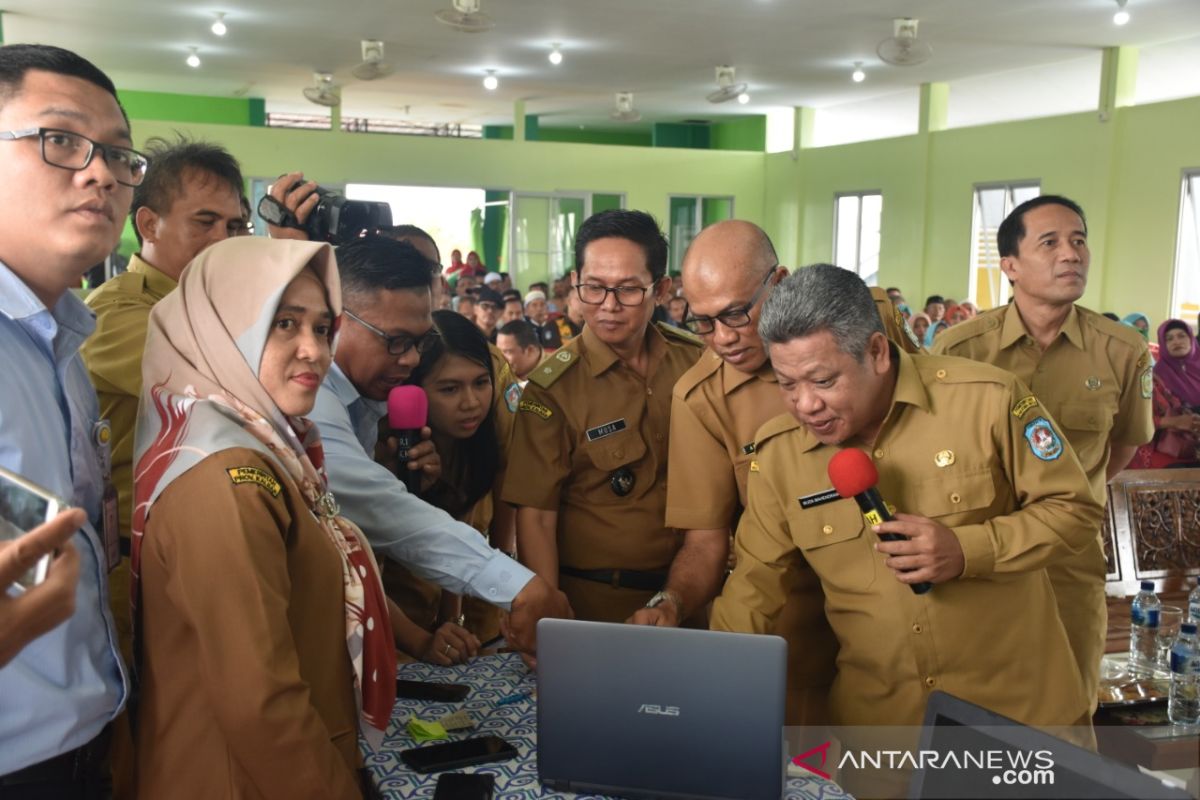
(408, 411)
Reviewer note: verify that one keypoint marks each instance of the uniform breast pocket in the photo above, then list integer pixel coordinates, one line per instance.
(836, 543)
(1086, 426)
(956, 498)
(615, 460)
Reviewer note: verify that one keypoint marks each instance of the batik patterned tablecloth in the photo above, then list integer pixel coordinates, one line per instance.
(492, 679)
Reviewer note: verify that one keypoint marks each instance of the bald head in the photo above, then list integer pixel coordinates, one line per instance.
(723, 271)
(732, 246)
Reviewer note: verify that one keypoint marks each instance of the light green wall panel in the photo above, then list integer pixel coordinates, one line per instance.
(646, 175)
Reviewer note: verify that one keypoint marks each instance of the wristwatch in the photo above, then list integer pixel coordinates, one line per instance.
(666, 596)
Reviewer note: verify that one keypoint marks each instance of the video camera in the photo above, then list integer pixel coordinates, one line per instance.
(334, 219)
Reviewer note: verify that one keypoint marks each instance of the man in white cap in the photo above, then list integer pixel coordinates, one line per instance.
(493, 280)
(538, 314)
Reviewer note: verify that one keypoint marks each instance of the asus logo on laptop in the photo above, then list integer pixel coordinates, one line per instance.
(661, 711)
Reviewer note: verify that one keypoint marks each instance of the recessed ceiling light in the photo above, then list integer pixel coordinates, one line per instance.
(556, 55)
(193, 59)
(490, 81)
(743, 98)
(218, 26)
(1122, 16)
(858, 76)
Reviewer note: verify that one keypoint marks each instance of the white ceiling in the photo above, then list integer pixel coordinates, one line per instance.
(791, 52)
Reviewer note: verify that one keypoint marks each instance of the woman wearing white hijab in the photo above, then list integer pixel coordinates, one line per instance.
(261, 627)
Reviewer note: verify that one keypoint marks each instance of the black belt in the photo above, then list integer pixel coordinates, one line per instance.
(81, 764)
(620, 578)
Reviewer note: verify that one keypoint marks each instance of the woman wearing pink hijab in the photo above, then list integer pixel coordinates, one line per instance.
(261, 628)
(1176, 400)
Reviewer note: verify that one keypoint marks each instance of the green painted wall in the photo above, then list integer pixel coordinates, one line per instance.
(671, 134)
(645, 175)
(740, 134)
(573, 135)
(193, 108)
(1125, 173)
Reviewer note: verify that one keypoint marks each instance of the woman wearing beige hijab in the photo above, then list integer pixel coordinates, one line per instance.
(260, 625)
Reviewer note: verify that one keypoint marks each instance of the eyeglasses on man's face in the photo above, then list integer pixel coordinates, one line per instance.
(401, 343)
(594, 294)
(731, 318)
(74, 151)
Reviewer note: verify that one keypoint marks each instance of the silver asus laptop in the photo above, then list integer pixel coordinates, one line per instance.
(644, 712)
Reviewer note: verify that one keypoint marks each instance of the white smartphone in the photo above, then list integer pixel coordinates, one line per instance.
(23, 506)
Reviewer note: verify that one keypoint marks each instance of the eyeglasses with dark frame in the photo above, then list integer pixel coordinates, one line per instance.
(74, 151)
(401, 343)
(733, 317)
(594, 294)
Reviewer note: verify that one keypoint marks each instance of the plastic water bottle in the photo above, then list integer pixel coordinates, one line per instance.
(1183, 708)
(1143, 632)
(1194, 604)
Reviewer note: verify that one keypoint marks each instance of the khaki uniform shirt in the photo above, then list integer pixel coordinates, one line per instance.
(716, 411)
(113, 355)
(967, 445)
(247, 687)
(590, 443)
(1095, 382)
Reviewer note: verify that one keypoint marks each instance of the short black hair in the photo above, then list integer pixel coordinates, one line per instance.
(376, 263)
(636, 226)
(526, 335)
(1012, 229)
(934, 298)
(512, 294)
(402, 232)
(540, 286)
(170, 161)
(18, 59)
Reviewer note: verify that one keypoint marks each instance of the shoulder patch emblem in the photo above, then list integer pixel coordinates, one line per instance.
(255, 475)
(1043, 439)
(1144, 361)
(563, 356)
(512, 396)
(908, 331)
(1147, 383)
(1023, 405)
(535, 408)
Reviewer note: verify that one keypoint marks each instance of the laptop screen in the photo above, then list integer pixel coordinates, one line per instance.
(984, 755)
(639, 711)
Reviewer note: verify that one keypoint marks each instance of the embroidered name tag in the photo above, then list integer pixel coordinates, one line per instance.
(607, 429)
(535, 408)
(819, 498)
(255, 475)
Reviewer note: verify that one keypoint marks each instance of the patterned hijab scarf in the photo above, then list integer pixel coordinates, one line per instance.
(201, 394)
(1180, 375)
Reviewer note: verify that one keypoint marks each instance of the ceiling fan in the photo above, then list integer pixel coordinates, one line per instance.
(903, 48)
(727, 89)
(325, 92)
(623, 110)
(465, 16)
(373, 66)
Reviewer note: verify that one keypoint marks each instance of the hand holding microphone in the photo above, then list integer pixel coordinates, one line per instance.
(920, 551)
(408, 411)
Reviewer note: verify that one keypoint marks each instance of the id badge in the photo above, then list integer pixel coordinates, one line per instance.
(102, 437)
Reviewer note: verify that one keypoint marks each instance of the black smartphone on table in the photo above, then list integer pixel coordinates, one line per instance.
(452, 755)
(428, 690)
(465, 786)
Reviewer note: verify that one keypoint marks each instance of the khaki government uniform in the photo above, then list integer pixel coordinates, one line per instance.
(247, 687)
(588, 428)
(1094, 381)
(716, 411)
(954, 447)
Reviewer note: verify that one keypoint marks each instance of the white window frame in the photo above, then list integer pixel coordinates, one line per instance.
(1189, 202)
(856, 264)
